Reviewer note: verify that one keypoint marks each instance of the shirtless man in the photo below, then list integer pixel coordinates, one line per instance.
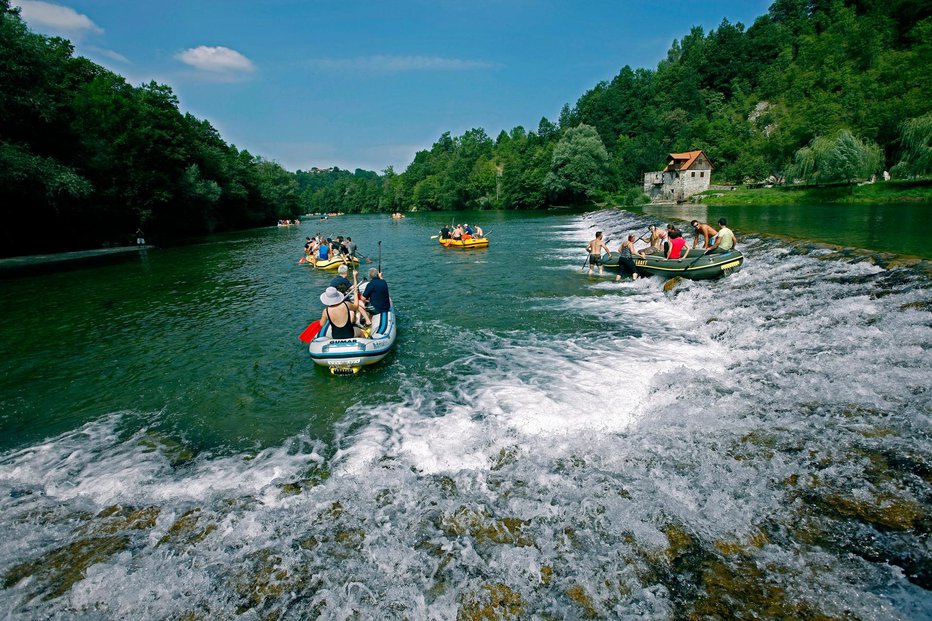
(705, 230)
(595, 248)
(658, 235)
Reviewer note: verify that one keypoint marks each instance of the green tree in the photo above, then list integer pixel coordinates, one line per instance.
(579, 166)
(916, 143)
(842, 157)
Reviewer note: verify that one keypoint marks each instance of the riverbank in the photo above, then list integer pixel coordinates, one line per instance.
(875, 193)
(39, 263)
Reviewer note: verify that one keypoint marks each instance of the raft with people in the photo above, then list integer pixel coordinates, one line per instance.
(366, 347)
(334, 261)
(697, 265)
(465, 242)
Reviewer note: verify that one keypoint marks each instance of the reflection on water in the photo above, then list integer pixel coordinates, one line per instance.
(542, 444)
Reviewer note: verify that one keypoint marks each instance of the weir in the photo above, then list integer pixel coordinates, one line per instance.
(541, 443)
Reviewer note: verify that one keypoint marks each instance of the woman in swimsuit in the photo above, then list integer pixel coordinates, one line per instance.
(340, 313)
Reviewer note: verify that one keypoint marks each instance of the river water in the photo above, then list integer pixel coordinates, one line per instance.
(541, 444)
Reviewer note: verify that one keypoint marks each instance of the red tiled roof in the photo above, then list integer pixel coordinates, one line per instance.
(682, 161)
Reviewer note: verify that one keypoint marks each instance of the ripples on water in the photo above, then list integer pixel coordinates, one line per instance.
(755, 446)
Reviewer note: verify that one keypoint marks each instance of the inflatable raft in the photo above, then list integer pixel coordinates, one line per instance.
(696, 266)
(350, 355)
(333, 263)
(472, 242)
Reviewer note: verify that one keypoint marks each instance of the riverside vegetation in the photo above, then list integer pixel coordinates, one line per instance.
(825, 88)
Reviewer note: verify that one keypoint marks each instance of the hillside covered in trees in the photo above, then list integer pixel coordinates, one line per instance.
(85, 158)
(789, 95)
(816, 89)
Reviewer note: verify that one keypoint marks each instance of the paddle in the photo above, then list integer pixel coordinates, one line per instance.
(310, 332)
(380, 258)
(688, 267)
(434, 236)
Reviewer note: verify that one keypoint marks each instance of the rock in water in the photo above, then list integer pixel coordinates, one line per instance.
(670, 284)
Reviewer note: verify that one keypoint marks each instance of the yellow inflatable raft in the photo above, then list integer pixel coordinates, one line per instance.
(471, 242)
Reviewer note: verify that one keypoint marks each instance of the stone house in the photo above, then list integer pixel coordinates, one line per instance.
(685, 174)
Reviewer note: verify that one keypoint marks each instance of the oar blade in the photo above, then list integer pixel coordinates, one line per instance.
(310, 332)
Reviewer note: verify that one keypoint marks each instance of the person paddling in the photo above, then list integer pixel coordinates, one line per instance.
(376, 293)
(340, 282)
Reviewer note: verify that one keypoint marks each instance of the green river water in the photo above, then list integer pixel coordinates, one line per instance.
(540, 444)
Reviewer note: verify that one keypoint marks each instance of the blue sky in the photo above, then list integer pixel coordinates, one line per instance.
(367, 84)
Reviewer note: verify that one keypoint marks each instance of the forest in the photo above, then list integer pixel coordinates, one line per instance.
(86, 159)
(815, 91)
(819, 91)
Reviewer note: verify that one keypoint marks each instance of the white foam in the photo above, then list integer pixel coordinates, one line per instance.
(688, 410)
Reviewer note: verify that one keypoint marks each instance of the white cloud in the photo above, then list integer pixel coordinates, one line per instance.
(216, 60)
(110, 54)
(56, 18)
(382, 63)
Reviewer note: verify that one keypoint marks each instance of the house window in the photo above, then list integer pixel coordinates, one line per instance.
(702, 174)
(692, 174)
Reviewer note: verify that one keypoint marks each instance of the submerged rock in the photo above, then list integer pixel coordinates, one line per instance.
(187, 531)
(494, 601)
(56, 571)
(485, 529)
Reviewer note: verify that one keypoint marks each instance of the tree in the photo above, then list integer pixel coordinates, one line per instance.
(916, 143)
(842, 157)
(579, 166)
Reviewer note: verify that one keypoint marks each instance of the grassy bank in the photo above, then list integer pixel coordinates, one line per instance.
(880, 192)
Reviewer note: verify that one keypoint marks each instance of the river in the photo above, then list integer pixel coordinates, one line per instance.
(540, 444)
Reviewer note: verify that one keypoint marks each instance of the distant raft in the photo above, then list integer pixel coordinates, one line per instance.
(695, 266)
(332, 263)
(471, 242)
(345, 356)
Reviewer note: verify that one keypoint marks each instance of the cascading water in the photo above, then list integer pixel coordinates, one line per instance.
(756, 446)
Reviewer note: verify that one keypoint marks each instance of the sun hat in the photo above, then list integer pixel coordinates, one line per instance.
(331, 297)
